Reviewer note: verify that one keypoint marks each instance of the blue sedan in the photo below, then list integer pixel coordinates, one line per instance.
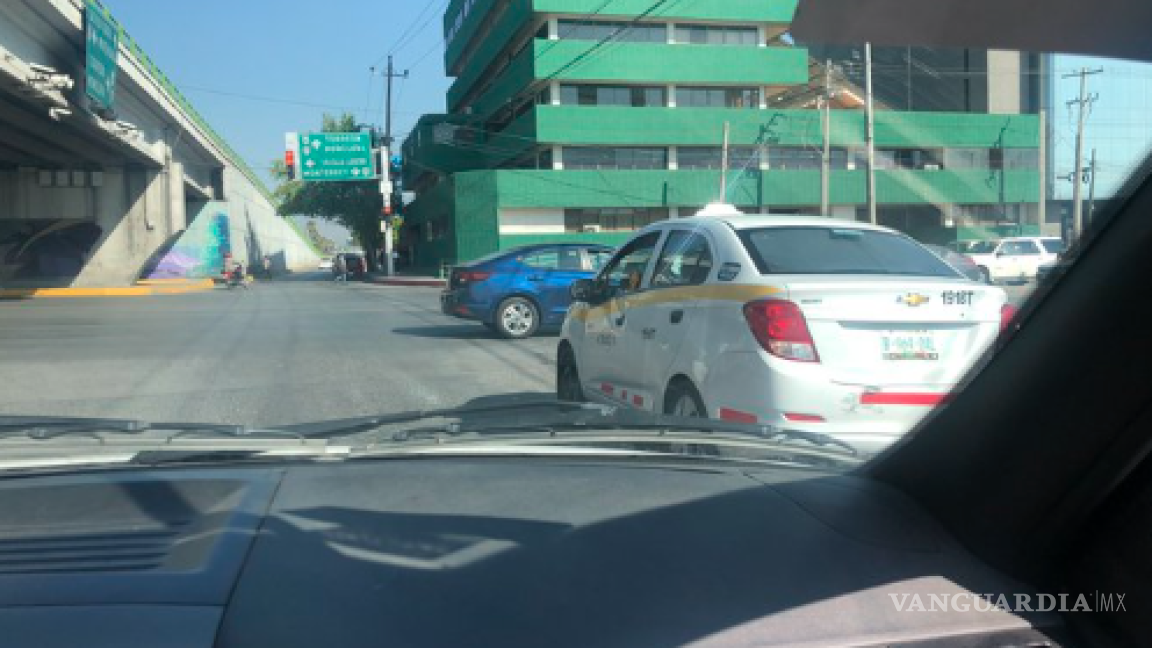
(517, 292)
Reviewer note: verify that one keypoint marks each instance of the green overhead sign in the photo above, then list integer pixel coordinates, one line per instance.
(336, 156)
(101, 44)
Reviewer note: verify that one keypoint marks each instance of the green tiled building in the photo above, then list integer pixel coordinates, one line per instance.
(586, 119)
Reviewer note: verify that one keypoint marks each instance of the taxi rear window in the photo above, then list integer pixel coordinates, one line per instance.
(840, 251)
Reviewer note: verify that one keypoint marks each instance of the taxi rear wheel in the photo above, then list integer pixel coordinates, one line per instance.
(568, 387)
(684, 401)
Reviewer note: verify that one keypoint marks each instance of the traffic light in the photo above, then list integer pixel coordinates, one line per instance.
(290, 163)
(397, 201)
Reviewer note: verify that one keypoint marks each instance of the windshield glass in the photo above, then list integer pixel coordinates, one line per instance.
(263, 214)
(822, 250)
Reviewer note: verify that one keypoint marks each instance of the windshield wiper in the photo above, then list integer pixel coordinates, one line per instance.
(51, 443)
(53, 427)
(523, 422)
(559, 422)
(636, 420)
(529, 411)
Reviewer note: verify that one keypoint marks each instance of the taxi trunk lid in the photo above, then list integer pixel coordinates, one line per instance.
(920, 334)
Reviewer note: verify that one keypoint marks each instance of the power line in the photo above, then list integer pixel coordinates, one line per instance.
(368, 94)
(577, 60)
(266, 99)
(413, 30)
(560, 37)
(420, 59)
(573, 27)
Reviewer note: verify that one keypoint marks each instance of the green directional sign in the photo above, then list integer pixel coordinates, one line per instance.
(101, 44)
(336, 156)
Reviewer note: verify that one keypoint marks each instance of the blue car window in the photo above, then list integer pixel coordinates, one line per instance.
(542, 260)
(599, 258)
(570, 259)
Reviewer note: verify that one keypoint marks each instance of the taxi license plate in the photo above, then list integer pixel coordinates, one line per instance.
(909, 345)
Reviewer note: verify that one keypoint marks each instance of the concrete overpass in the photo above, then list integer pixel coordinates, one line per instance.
(149, 190)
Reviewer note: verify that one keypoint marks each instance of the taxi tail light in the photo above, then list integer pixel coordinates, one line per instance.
(780, 327)
(474, 276)
(1007, 317)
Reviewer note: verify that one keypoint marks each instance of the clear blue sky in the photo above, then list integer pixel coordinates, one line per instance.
(307, 52)
(1119, 125)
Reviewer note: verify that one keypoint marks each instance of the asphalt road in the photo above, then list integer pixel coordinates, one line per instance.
(291, 351)
(282, 352)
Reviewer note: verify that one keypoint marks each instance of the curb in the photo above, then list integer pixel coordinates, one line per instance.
(142, 289)
(414, 282)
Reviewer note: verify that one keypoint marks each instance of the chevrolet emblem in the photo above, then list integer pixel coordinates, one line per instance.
(912, 299)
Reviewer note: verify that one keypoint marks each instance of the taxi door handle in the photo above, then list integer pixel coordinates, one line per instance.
(535, 278)
(677, 316)
(648, 334)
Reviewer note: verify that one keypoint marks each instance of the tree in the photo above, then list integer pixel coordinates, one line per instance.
(356, 205)
(322, 243)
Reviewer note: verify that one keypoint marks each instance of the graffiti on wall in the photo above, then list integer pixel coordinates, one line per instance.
(198, 251)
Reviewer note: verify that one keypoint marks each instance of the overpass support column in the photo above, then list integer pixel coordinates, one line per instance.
(139, 210)
(177, 207)
(132, 212)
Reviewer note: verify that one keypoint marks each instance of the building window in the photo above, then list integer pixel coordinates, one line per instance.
(587, 157)
(712, 35)
(903, 159)
(993, 158)
(967, 158)
(594, 95)
(1021, 159)
(717, 97)
(544, 159)
(711, 157)
(794, 159)
(616, 31)
(617, 219)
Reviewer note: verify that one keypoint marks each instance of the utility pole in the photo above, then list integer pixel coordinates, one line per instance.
(1084, 102)
(385, 161)
(1091, 189)
(826, 158)
(870, 118)
(390, 74)
(1042, 165)
(724, 166)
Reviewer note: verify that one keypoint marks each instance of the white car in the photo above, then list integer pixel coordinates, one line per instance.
(1015, 259)
(325, 265)
(795, 322)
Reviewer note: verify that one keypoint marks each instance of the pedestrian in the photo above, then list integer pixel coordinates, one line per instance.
(341, 268)
(267, 267)
(238, 278)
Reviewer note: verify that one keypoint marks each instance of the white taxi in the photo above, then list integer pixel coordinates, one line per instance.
(800, 323)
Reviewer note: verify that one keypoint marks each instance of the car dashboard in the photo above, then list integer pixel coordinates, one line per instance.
(456, 552)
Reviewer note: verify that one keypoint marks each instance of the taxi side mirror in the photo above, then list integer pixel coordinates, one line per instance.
(583, 290)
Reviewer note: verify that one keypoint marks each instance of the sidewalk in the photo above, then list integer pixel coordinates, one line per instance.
(141, 289)
(410, 281)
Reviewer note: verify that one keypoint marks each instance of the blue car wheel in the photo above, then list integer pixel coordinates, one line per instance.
(517, 318)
